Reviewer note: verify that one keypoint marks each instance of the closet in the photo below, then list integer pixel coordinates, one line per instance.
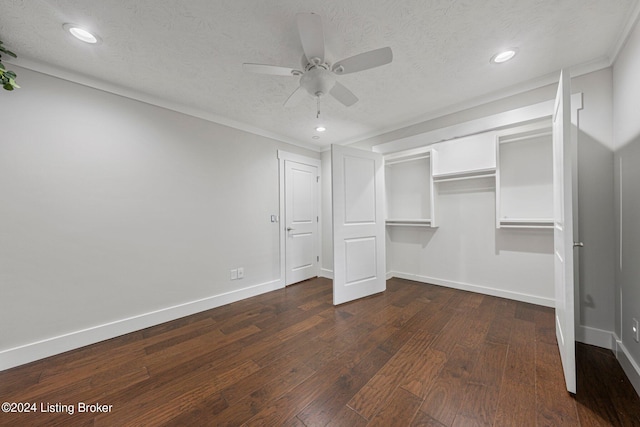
(409, 189)
(517, 160)
(524, 178)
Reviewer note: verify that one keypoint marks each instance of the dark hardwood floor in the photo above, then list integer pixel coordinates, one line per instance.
(416, 355)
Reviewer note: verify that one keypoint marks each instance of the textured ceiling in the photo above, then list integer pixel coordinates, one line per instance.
(188, 55)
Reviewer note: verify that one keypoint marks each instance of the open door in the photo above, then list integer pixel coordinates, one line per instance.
(564, 166)
(358, 224)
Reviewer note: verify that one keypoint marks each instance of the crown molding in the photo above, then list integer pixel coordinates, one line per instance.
(632, 21)
(104, 86)
(548, 79)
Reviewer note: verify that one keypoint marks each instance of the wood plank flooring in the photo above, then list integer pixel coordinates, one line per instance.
(417, 355)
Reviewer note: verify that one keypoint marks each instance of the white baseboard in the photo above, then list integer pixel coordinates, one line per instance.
(532, 299)
(629, 365)
(55, 345)
(597, 337)
(327, 274)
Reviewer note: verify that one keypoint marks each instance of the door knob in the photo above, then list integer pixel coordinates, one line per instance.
(578, 245)
(289, 229)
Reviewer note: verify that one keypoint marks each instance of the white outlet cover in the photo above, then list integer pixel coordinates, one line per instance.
(636, 330)
(234, 274)
(240, 272)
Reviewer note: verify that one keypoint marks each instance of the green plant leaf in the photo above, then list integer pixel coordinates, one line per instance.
(7, 77)
(8, 52)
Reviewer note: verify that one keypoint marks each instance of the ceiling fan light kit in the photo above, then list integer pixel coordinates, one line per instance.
(318, 80)
(319, 77)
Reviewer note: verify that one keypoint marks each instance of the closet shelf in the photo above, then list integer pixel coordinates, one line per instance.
(526, 223)
(481, 173)
(409, 222)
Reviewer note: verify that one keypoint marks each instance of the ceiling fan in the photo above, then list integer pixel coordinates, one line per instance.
(317, 76)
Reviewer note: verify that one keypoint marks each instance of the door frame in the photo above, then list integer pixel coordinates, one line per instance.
(288, 156)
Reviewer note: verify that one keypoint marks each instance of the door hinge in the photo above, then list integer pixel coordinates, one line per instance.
(317, 219)
(318, 258)
(317, 179)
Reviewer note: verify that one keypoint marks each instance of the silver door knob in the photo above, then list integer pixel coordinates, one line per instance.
(578, 245)
(289, 229)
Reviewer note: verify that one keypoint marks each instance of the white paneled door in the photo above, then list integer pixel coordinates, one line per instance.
(564, 166)
(358, 224)
(301, 222)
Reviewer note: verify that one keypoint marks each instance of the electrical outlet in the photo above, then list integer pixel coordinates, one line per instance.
(636, 330)
(240, 272)
(234, 274)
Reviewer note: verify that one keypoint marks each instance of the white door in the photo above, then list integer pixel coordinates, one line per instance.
(564, 166)
(358, 224)
(301, 221)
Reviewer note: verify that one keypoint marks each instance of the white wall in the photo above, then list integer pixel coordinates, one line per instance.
(113, 209)
(626, 108)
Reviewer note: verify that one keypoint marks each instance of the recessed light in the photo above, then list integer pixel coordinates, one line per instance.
(320, 128)
(81, 34)
(504, 56)
(315, 137)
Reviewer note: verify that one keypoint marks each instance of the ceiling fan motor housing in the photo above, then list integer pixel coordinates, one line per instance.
(318, 81)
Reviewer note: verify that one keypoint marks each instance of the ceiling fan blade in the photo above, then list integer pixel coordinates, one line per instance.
(311, 36)
(364, 61)
(344, 95)
(295, 98)
(273, 70)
